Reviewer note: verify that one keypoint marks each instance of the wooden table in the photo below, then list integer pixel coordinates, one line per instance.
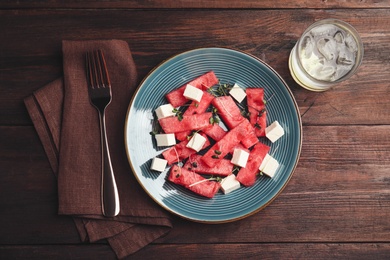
(337, 204)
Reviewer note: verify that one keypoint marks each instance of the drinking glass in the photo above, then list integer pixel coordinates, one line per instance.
(328, 52)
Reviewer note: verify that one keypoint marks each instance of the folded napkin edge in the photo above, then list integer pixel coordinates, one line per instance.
(37, 117)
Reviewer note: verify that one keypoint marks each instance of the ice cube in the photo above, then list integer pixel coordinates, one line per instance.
(324, 30)
(308, 46)
(345, 57)
(339, 37)
(327, 47)
(351, 43)
(341, 71)
(327, 72)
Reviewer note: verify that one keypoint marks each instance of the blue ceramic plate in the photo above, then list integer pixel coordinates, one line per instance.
(230, 66)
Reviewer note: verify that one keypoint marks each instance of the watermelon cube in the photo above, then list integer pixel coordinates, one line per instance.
(228, 111)
(224, 146)
(181, 136)
(193, 181)
(196, 164)
(176, 97)
(199, 107)
(251, 137)
(187, 123)
(257, 110)
(247, 176)
(214, 131)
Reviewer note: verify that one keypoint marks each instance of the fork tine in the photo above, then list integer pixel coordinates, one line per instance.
(96, 74)
(103, 69)
(97, 71)
(91, 70)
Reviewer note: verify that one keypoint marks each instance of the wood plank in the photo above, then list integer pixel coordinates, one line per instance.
(154, 4)
(268, 251)
(31, 56)
(336, 206)
(339, 192)
(206, 251)
(29, 200)
(80, 251)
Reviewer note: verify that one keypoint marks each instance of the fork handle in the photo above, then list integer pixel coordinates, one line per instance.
(109, 190)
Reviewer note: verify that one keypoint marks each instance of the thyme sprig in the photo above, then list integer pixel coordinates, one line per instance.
(192, 134)
(178, 113)
(236, 169)
(243, 109)
(222, 89)
(212, 178)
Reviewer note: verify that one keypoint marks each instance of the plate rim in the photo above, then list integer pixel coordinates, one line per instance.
(253, 211)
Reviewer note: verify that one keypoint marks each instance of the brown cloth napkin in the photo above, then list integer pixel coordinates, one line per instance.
(68, 128)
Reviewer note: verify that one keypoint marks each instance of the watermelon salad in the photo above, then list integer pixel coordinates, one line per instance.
(212, 136)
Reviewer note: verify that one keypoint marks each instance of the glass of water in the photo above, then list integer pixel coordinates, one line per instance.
(328, 52)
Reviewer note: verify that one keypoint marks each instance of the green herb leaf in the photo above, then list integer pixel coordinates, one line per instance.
(215, 118)
(220, 89)
(261, 112)
(178, 114)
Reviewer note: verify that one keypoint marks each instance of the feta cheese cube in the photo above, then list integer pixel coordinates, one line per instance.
(237, 93)
(196, 142)
(165, 139)
(274, 131)
(164, 111)
(193, 93)
(240, 157)
(158, 164)
(269, 165)
(229, 184)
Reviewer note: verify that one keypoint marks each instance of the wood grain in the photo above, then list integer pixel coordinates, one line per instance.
(339, 192)
(32, 58)
(337, 204)
(216, 4)
(324, 251)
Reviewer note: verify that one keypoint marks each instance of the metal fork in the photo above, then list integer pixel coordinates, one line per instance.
(99, 88)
